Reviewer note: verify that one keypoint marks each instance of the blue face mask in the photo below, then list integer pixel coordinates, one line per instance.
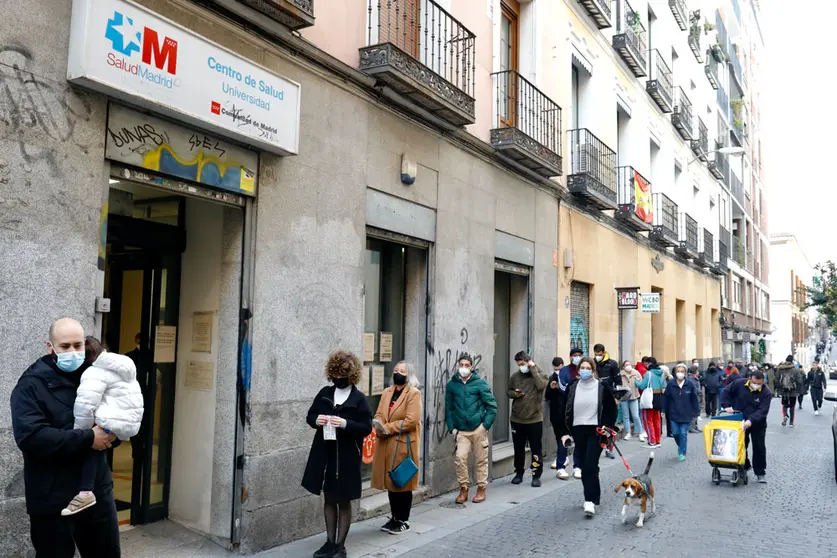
(70, 361)
(585, 374)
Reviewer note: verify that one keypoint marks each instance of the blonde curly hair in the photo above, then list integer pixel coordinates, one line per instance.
(343, 364)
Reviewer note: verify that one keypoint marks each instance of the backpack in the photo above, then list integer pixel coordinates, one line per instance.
(787, 381)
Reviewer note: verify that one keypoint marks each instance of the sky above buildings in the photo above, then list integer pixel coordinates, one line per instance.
(799, 122)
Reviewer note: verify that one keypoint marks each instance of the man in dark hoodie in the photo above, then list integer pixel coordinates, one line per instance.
(787, 385)
(817, 383)
(556, 394)
(713, 381)
(54, 452)
(752, 398)
(609, 373)
(567, 376)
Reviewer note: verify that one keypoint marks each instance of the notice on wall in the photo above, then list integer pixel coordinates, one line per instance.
(377, 380)
(650, 303)
(202, 332)
(199, 375)
(363, 385)
(368, 347)
(386, 347)
(165, 341)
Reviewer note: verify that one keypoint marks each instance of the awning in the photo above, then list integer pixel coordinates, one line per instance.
(623, 104)
(581, 61)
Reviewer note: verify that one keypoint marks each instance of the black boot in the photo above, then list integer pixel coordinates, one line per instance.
(536, 481)
(518, 478)
(339, 551)
(325, 551)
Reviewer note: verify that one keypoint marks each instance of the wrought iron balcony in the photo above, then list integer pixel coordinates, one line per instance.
(592, 170)
(666, 221)
(722, 35)
(706, 253)
(678, 8)
(722, 167)
(717, 163)
(750, 261)
(681, 116)
(659, 84)
(700, 143)
(722, 263)
(527, 125)
(424, 53)
(635, 204)
(629, 40)
(294, 14)
(736, 188)
(711, 71)
(600, 11)
(737, 72)
(695, 34)
(739, 254)
(724, 236)
(723, 101)
(688, 246)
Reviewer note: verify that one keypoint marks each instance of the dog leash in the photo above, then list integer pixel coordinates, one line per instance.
(610, 444)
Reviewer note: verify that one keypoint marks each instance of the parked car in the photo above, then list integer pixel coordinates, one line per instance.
(831, 395)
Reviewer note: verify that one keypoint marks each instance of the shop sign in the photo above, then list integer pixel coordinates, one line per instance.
(650, 303)
(129, 52)
(627, 299)
(157, 145)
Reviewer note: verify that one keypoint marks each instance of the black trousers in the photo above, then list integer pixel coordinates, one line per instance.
(755, 434)
(400, 503)
(588, 449)
(789, 407)
(532, 433)
(801, 397)
(816, 398)
(95, 532)
(711, 404)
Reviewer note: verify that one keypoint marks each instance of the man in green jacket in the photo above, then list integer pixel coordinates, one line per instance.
(526, 387)
(470, 410)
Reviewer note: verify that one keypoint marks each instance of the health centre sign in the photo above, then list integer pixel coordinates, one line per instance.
(126, 51)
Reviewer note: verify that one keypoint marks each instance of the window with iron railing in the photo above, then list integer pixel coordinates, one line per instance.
(689, 231)
(427, 32)
(666, 214)
(523, 106)
(661, 73)
(630, 23)
(589, 155)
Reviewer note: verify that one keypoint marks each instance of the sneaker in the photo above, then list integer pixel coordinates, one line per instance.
(627, 436)
(562, 474)
(643, 437)
(387, 527)
(326, 550)
(400, 528)
(650, 446)
(518, 478)
(681, 457)
(555, 463)
(609, 455)
(655, 446)
(577, 473)
(536, 482)
(762, 479)
(81, 502)
(817, 412)
(791, 425)
(589, 509)
(784, 421)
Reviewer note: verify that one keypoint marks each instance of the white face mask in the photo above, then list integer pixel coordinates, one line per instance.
(576, 360)
(599, 358)
(464, 372)
(629, 368)
(681, 375)
(524, 369)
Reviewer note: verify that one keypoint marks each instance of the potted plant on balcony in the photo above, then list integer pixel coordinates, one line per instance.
(636, 22)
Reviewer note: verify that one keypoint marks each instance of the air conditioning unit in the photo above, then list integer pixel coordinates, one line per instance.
(588, 157)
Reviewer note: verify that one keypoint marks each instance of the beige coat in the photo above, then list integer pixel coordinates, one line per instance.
(408, 409)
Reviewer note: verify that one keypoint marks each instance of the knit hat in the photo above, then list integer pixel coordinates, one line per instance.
(576, 351)
(789, 358)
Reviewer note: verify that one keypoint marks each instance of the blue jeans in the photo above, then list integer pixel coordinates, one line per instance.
(681, 433)
(630, 414)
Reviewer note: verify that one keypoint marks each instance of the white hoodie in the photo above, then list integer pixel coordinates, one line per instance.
(110, 396)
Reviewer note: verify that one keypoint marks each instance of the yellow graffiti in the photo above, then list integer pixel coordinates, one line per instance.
(151, 161)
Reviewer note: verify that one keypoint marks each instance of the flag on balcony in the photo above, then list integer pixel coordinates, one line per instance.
(642, 196)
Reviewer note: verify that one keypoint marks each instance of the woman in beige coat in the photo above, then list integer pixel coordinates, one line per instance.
(398, 411)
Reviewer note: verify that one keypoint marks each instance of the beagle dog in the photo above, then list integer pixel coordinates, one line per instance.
(638, 488)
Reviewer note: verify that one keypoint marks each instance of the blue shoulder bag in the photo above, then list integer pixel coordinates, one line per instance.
(407, 469)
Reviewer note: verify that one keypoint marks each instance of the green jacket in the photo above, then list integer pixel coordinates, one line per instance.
(469, 404)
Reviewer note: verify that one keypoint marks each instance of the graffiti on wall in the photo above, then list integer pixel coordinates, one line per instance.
(445, 364)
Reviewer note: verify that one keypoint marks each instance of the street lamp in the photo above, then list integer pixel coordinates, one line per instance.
(732, 151)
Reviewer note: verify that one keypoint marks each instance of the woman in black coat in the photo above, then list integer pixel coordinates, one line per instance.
(334, 465)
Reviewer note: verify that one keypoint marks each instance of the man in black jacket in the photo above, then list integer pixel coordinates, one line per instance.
(53, 453)
(713, 382)
(608, 371)
(817, 383)
(752, 398)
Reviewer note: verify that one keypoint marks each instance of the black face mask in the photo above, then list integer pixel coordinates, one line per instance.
(399, 379)
(341, 383)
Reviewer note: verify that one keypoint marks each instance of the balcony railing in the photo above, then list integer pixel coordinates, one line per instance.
(599, 10)
(724, 236)
(592, 169)
(681, 116)
(711, 71)
(629, 40)
(717, 162)
(737, 72)
(750, 261)
(739, 254)
(635, 203)
(678, 9)
(527, 124)
(700, 143)
(722, 263)
(723, 36)
(294, 14)
(424, 53)
(739, 116)
(659, 84)
(695, 35)
(723, 102)
(736, 187)
(666, 228)
(707, 248)
(688, 236)
(722, 164)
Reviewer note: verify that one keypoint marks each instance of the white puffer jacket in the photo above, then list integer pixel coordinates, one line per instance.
(110, 396)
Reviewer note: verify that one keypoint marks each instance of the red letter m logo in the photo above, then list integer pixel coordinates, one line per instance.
(164, 55)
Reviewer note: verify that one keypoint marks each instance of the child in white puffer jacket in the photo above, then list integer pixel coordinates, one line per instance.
(109, 397)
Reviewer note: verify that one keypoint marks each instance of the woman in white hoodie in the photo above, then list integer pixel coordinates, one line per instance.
(110, 397)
